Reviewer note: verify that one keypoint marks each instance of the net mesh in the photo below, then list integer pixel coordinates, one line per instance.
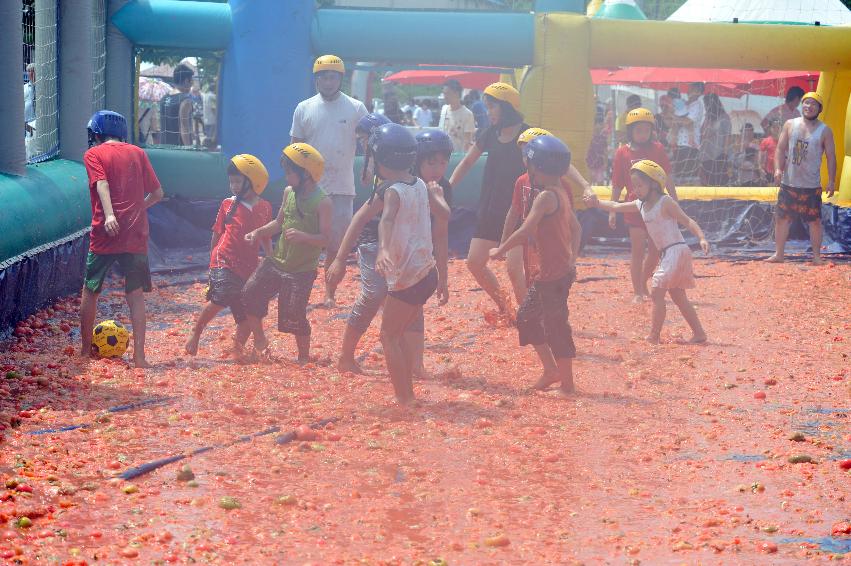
(826, 12)
(98, 55)
(41, 94)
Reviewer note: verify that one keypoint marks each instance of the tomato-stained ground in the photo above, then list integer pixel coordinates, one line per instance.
(735, 452)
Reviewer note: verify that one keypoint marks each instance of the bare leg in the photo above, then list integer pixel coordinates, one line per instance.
(330, 301)
(565, 374)
(208, 313)
(658, 315)
(687, 309)
(781, 234)
(477, 263)
(516, 272)
(347, 361)
(303, 345)
(255, 325)
(815, 241)
(136, 302)
(551, 370)
(637, 242)
(240, 337)
(415, 344)
(398, 315)
(651, 260)
(88, 311)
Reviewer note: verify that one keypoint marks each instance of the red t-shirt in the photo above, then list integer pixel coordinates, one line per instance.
(130, 176)
(521, 199)
(232, 251)
(769, 146)
(625, 157)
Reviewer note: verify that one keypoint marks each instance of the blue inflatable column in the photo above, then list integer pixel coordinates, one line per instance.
(120, 69)
(266, 74)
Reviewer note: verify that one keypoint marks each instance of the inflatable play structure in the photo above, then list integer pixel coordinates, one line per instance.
(267, 48)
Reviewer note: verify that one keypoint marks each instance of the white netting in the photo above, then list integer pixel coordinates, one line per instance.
(41, 98)
(98, 55)
(826, 12)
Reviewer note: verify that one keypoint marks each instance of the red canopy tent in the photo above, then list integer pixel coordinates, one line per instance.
(468, 79)
(723, 82)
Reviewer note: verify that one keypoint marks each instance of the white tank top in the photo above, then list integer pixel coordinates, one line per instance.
(664, 231)
(410, 244)
(803, 159)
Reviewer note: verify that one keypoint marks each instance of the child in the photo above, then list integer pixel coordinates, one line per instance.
(640, 124)
(304, 222)
(362, 131)
(542, 319)
(433, 151)
(520, 258)
(767, 148)
(405, 251)
(661, 214)
(122, 186)
(232, 258)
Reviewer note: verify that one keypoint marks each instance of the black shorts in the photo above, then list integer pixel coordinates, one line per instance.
(543, 316)
(225, 290)
(490, 224)
(293, 291)
(419, 293)
(793, 202)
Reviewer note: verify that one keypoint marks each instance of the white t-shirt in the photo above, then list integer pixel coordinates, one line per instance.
(422, 117)
(456, 124)
(410, 246)
(330, 128)
(209, 108)
(696, 113)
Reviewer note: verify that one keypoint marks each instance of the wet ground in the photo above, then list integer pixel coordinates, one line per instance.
(727, 453)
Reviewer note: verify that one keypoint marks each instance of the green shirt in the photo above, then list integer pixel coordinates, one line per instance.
(294, 257)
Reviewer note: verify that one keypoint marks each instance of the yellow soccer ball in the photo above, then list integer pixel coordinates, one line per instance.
(110, 339)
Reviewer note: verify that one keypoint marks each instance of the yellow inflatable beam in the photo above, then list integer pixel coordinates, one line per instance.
(761, 194)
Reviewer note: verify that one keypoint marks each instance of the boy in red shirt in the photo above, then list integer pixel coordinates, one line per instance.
(122, 186)
(640, 145)
(232, 258)
(767, 148)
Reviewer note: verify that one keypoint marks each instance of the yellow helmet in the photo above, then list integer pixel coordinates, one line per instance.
(815, 96)
(531, 134)
(640, 115)
(652, 170)
(328, 63)
(252, 168)
(504, 92)
(307, 157)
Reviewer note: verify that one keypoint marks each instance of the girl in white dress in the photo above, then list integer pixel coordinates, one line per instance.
(663, 215)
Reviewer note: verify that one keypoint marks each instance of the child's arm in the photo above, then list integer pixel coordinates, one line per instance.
(440, 239)
(335, 272)
(673, 210)
(321, 239)
(268, 230)
(830, 155)
(511, 220)
(611, 206)
(544, 204)
(153, 198)
(383, 264)
(110, 223)
(575, 179)
(575, 235)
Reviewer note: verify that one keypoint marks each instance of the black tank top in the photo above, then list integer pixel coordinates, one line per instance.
(170, 118)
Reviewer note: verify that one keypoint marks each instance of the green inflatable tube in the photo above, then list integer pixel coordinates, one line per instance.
(47, 204)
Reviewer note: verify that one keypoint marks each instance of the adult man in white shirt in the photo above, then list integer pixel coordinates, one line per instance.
(456, 119)
(327, 121)
(688, 125)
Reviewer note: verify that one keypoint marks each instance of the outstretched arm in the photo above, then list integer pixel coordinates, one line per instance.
(337, 270)
(383, 263)
(544, 204)
(611, 206)
(274, 226)
(465, 165)
(672, 209)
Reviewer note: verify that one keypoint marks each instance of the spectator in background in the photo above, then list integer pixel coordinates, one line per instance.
(422, 114)
(665, 119)
(785, 111)
(392, 109)
(197, 113)
(767, 147)
(686, 136)
(29, 100)
(408, 119)
(597, 157)
(210, 116)
(713, 142)
(457, 120)
(633, 101)
(176, 110)
(473, 101)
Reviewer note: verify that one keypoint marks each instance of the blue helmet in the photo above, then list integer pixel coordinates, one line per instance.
(393, 146)
(370, 122)
(548, 154)
(107, 124)
(433, 141)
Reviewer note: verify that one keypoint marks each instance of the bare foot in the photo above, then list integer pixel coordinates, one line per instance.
(192, 345)
(141, 363)
(698, 339)
(330, 302)
(775, 259)
(349, 365)
(87, 353)
(547, 379)
(653, 338)
(638, 299)
(817, 261)
(421, 373)
(566, 389)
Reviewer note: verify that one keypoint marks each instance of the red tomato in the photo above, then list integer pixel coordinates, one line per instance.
(305, 433)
